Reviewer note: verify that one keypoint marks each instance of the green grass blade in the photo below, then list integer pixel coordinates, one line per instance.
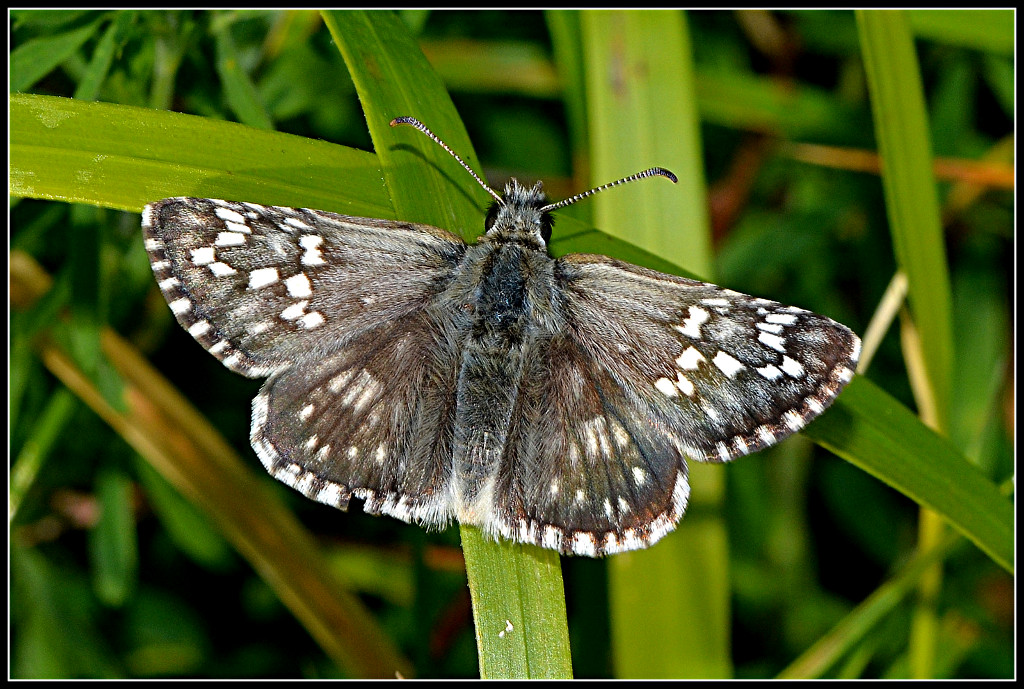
(986, 30)
(393, 79)
(827, 650)
(904, 142)
(873, 431)
(669, 605)
(113, 545)
(901, 127)
(36, 58)
(641, 112)
(239, 91)
(519, 608)
(34, 453)
(518, 602)
(103, 56)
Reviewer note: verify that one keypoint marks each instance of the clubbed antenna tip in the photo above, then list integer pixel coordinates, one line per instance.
(650, 172)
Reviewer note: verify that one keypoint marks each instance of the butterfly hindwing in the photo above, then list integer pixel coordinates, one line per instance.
(372, 419)
(587, 468)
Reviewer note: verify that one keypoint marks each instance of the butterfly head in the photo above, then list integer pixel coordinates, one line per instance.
(520, 215)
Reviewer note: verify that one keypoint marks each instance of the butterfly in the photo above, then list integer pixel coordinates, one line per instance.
(546, 401)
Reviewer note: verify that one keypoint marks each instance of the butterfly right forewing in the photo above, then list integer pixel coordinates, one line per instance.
(259, 286)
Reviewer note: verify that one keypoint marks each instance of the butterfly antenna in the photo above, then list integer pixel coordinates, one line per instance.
(651, 172)
(412, 121)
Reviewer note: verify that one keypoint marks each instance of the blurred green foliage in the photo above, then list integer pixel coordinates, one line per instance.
(115, 574)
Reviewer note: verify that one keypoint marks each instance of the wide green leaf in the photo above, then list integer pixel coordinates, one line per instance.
(123, 157)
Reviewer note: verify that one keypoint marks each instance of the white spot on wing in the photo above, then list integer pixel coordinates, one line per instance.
(689, 359)
(774, 341)
(204, 255)
(691, 326)
(313, 319)
(583, 543)
(792, 367)
(727, 364)
(639, 476)
(221, 269)
(684, 385)
(295, 222)
(299, 286)
(228, 215)
(229, 239)
(180, 306)
(261, 277)
(666, 387)
(781, 318)
(295, 310)
(311, 243)
(261, 327)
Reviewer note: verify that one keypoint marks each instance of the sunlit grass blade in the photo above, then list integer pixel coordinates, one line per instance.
(901, 127)
(904, 142)
(119, 156)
